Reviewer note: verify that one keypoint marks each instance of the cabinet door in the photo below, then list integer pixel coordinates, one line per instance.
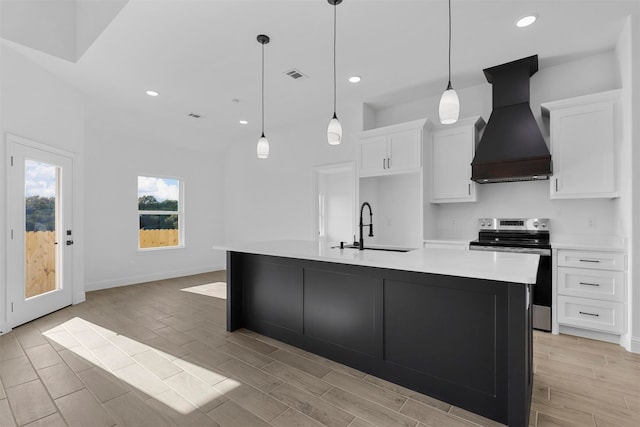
(452, 155)
(606, 316)
(405, 150)
(373, 155)
(582, 149)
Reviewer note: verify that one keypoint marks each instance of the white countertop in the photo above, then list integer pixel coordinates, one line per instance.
(588, 242)
(500, 266)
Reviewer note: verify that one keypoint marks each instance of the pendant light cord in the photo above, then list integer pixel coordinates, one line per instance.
(449, 43)
(334, 57)
(262, 89)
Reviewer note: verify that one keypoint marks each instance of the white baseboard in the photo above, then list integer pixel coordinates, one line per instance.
(79, 297)
(634, 345)
(594, 335)
(142, 278)
(4, 328)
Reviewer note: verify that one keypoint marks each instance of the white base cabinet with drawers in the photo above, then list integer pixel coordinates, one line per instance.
(590, 288)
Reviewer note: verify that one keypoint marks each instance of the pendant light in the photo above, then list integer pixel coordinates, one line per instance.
(334, 130)
(263, 144)
(449, 103)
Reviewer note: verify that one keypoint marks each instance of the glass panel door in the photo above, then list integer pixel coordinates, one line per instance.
(40, 241)
(41, 227)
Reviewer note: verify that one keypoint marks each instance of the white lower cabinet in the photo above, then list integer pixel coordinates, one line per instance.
(590, 290)
(606, 316)
(596, 284)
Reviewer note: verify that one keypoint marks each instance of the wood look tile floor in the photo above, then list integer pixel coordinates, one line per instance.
(153, 355)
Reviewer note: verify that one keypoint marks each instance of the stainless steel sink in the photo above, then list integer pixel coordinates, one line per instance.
(375, 248)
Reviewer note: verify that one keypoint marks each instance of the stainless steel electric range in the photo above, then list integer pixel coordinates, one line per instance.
(528, 236)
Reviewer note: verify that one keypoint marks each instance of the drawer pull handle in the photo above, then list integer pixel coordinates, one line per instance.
(589, 314)
(589, 260)
(589, 284)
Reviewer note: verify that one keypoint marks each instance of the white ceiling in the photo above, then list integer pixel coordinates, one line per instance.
(201, 54)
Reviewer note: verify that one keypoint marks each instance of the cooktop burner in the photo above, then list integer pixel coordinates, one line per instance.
(513, 232)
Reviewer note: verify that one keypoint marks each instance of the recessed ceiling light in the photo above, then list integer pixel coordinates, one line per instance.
(244, 122)
(527, 20)
(354, 79)
(152, 93)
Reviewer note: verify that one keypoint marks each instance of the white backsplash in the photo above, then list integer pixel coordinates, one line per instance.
(525, 199)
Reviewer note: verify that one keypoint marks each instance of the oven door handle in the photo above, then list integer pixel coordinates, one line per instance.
(517, 250)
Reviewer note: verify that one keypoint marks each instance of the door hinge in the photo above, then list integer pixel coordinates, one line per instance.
(11, 160)
(12, 307)
(12, 234)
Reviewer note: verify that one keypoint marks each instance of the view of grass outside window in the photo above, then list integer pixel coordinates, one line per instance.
(160, 212)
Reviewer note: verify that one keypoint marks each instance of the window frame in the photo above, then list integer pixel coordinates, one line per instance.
(180, 212)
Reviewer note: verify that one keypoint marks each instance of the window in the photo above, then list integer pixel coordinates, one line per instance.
(160, 212)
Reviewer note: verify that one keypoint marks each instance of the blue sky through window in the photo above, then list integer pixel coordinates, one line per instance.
(39, 179)
(160, 188)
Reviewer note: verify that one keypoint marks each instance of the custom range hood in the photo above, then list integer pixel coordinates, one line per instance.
(512, 147)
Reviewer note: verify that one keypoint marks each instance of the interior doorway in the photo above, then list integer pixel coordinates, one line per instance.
(40, 238)
(335, 199)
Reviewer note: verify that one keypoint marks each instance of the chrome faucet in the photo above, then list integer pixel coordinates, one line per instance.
(370, 223)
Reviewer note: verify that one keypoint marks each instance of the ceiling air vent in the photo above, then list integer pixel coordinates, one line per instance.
(295, 74)
(195, 116)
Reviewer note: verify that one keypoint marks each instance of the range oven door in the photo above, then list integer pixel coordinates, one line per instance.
(542, 295)
(542, 291)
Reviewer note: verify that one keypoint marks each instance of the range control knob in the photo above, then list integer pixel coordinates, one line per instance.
(544, 225)
(482, 224)
(536, 224)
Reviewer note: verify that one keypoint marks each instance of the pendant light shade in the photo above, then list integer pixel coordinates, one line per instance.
(449, 103)
(262, 148)
(449, 106)
(334, 130)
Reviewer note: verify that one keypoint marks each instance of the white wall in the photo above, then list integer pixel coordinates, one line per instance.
(338, 193)
(395, 201)
(115, 156)
(628, 54)
(587, 75)
(38, 106)
(267, 199)
(635, 137)
(48, 26)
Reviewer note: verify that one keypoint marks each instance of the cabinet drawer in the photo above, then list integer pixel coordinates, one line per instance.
(590, 314)
(589, 283)
(590, 259)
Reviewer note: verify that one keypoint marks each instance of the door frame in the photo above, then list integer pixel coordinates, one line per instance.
(349, 166)
(76, 287)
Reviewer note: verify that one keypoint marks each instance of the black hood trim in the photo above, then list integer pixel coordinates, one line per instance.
(512, 147)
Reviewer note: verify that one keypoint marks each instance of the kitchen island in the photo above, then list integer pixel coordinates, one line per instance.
(455, 325)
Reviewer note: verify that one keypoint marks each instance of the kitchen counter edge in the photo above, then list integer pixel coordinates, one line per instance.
(503, 267)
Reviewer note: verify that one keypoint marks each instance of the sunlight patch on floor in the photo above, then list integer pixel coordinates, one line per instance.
(216, 290)
(157, 374)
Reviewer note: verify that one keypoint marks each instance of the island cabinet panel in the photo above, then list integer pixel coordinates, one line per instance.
(343, 309)
(462, 340)
(277, 301)
(449, 334)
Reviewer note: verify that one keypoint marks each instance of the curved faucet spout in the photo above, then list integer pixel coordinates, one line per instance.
(362, 225)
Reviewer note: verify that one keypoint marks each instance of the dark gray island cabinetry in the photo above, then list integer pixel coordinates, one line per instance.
(463, 340)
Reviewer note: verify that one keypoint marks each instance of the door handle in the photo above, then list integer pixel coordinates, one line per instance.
(69, 242)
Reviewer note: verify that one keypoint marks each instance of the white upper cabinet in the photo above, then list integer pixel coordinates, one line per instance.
(452, 150)
(583, 135)
(373, 155)
(391, 149)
